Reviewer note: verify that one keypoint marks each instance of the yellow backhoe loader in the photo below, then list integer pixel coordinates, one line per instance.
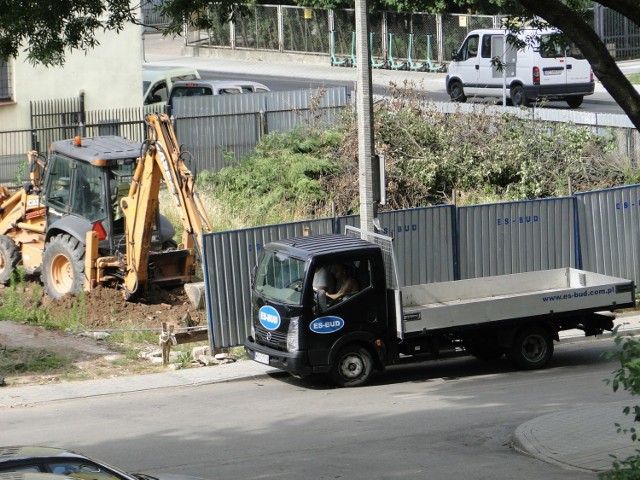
(89, 216)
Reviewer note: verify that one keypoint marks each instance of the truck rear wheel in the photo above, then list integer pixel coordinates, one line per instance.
(532, 348)
(9, 258)
(353, 367)
(63, 266)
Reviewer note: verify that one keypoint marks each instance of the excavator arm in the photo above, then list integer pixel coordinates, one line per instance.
(161, 159)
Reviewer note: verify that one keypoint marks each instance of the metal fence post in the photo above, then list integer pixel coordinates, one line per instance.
(280, 29)
(232, 34)
(440, 37)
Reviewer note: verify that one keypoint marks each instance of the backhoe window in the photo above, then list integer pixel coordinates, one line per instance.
(58, 187)
(88, 197)
(280, 278)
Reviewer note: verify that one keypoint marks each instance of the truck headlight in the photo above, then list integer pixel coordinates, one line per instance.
(292, 335)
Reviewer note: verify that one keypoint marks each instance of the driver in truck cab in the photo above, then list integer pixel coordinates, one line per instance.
(345, 283)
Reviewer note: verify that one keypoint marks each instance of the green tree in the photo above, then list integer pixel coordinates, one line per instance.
(626, 377)
(47, 30)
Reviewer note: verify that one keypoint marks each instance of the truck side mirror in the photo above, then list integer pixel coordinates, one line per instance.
(454, 56)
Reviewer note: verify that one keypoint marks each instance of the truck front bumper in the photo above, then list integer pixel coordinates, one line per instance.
(292, 362)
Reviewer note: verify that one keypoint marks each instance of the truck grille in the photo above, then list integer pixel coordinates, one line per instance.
(271, 338)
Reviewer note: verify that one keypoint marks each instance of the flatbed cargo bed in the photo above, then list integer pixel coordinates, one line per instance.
(444, 305)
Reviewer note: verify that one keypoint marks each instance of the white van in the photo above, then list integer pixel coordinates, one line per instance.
(544, 70)
(157, 81)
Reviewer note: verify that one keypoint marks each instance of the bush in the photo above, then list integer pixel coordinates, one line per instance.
(429, 156)
(627, 377)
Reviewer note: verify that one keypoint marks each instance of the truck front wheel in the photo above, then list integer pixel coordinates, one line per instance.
(532, 348)
(63, 266)
(353, 367)
(9, 258)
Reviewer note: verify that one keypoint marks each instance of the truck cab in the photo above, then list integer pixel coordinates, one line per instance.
(304, 329)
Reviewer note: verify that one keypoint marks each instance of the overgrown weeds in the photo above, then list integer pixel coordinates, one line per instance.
(430, 156)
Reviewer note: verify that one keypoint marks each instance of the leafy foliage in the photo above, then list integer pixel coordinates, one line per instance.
(280, 179)
(626, 377)
(49, 28)
(429, 155)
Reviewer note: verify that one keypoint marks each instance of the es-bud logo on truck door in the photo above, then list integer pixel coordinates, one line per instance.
(269, 317)
(326, 324)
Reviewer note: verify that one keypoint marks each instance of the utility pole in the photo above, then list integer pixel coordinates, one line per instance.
(366, 148)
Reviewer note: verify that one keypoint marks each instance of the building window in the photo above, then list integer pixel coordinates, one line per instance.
(6, 93)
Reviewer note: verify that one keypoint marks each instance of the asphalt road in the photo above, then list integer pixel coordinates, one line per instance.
(437, 420)
(599, 102)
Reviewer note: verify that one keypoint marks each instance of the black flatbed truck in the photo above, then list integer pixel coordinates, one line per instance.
(300, 330)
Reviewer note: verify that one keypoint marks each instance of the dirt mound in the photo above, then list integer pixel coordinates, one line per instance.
(106, 308)
(101, 310)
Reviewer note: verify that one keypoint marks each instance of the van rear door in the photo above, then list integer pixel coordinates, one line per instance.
(578, 68)
(553, 64)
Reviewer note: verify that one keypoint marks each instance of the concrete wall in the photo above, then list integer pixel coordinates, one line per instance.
(110, 75)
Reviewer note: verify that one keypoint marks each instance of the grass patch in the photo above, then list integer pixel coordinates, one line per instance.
(634, 78)
(23, 360)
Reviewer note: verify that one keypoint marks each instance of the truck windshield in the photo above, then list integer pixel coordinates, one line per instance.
(280, 277)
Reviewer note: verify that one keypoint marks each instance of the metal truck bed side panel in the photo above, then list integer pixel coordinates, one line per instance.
(490, 299)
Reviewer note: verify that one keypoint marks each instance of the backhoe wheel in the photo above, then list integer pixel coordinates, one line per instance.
(353, 367)
(532, 348)
(63, 266)
(9, 258)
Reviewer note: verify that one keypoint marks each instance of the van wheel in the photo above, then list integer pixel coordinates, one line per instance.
(532, 348)
(575, 101)
(9, 258)
(457, 92)
(519, 97)
(353, 367)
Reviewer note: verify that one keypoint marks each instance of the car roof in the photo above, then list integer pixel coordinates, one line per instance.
(216, 84)
(523, 32)
(20, 452)
(150, 74)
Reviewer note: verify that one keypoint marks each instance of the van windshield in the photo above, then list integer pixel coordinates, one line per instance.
(280, 277)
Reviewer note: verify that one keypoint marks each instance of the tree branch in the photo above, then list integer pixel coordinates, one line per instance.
(582, 34)
(628, 8)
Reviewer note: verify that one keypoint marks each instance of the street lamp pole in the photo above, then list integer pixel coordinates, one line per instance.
(366, 144)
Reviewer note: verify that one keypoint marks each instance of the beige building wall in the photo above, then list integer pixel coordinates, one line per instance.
(110, 76)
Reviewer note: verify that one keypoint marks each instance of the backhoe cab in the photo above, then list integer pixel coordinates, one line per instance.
(95, 218)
